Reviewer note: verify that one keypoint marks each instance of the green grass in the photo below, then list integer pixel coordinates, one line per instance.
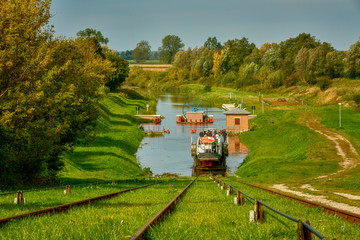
(328, 225)
(45, 199)
(350, 122)
(116, 218)
(205, 212)
(111, 154)
(284, 151)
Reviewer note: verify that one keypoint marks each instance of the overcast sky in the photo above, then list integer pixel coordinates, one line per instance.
(127, 22)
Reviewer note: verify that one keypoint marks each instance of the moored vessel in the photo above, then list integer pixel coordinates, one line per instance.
(209, 149)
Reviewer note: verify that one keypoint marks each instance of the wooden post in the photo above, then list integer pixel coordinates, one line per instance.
(96, 184)
(303, 232)
(19, 198)
(239, 198)
(113, 182)
(229, 191)
(67, 189)
(259, 214)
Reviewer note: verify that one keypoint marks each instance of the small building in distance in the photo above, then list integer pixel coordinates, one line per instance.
(237, 120)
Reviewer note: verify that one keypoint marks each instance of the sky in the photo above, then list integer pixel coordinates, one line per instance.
(127, 22)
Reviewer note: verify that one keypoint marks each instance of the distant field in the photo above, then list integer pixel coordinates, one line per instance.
(146, 62)
(153, 67)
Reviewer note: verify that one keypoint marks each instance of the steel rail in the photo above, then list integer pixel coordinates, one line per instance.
(161, 214)
(65, 207)
(63, 186)
(309, 227)
(349, 216)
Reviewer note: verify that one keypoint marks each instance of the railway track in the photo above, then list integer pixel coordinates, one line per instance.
(351, 217)
(161, 214)
(65, 207)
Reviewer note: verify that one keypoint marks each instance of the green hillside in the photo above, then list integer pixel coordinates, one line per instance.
(111, 154)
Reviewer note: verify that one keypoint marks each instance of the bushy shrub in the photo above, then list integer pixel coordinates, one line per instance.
(357, 99)
(252, 126)
(324, 83)
(207, 88)
(275, 80)
(292, 80)
(228, 78)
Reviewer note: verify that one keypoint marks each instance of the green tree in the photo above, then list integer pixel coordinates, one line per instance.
(334, 66)
(248, 74)
(290, 47)
(310, 64)
(121, 73)
(92, 33)
(352, 60)
(182, 59)
(272, 59)
(206, 61)
(142, 51)
(302, 63)
(234, 54)
(48, 93)
(171, 44)
(212, 44)
(254, 57)
(127, 55)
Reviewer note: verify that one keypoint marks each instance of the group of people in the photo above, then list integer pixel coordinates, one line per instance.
(209, 140)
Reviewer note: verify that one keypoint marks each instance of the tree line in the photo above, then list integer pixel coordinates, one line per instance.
(171, 44)
(50, 88)
(299, 60)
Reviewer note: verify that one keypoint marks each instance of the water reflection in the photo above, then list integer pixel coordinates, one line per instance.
(237, 153)
(236, 147)
(171, 153)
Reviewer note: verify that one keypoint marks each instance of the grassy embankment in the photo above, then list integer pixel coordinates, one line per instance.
(287, 151)
(111, 155)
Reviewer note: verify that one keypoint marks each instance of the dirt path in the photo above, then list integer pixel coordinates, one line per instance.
(350, 158)
(318, 198)
(343, 147)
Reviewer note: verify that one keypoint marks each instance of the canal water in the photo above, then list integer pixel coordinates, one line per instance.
(171, 152)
